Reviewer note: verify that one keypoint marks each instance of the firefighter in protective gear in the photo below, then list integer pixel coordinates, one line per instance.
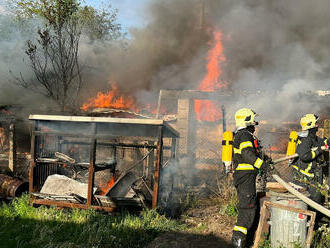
(308, 166)
(248, 159)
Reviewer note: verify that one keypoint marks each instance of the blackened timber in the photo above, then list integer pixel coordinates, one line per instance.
(91, 170)
(158, 168)
(52, 133)
(33, 157)
(71, 205)
(113, 144)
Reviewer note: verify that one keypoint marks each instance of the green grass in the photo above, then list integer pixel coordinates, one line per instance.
(24, 226)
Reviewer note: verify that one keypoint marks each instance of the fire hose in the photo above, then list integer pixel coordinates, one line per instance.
(276, 161)
(301, 196)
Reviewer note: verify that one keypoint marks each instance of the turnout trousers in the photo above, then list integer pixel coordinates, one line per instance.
(315, 195)
(245, 184)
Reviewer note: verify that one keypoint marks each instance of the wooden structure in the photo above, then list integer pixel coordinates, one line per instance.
(199, 140)
(263, 227)
(93, 132)
(8, 140)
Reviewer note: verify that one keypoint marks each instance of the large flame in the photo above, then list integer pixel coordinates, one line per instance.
(207, 110)
(113, 99)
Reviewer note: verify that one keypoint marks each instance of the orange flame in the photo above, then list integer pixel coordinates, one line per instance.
(113, 99)
(207, 110)
(109, 185)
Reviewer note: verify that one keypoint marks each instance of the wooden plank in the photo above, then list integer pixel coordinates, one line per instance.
(275, 186)
(96, 119)
(101, 136)
(32, 160)
(309, 238)
(296, 210)
(112, 144)
(169, 129)
(157, 169)
(71, 205)
(91, 169)
(262, 221)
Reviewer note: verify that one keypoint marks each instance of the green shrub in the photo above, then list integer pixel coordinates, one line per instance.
(229, 207)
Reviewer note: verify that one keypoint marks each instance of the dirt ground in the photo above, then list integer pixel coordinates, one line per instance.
(209, 229)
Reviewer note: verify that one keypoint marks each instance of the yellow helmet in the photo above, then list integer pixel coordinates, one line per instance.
(308, 121)
(245, 117)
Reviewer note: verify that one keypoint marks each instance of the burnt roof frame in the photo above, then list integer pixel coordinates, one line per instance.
(168, 130)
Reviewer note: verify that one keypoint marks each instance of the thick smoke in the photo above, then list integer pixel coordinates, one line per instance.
(279, 49)
(275, 50)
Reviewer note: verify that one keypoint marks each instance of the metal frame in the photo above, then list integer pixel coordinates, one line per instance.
(162, 128)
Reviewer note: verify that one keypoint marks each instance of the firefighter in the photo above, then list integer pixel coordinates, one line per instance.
(248, 160)
(308, 166)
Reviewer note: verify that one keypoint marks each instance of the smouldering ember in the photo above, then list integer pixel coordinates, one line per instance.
(113, 99)
(207, 110)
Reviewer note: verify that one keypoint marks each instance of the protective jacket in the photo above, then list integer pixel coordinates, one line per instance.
(247, 153)
(310, 154)
(247, 162)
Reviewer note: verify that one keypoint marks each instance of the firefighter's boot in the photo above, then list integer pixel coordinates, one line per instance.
(238, 241)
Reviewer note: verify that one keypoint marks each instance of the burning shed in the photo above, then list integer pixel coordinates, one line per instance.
(98, 162)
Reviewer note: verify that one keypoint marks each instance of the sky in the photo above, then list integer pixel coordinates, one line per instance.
(131, 12)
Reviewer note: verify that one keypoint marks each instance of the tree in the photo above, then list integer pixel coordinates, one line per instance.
(54, 54)
(100, 25)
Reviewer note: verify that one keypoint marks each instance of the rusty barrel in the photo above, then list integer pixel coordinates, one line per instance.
(12, 187)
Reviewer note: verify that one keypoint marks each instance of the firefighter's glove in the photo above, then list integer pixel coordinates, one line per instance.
(269, 165)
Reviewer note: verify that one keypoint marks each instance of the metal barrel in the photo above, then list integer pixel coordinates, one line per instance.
(12, 187)
(287, 228)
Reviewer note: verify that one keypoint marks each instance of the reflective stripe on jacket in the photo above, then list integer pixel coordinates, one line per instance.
(309, 155)
(246, 157)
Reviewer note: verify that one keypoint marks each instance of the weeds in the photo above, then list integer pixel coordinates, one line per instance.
(266, 243)
(230, 209)
(229, 198)
(322, 237)
(187, 201)
(25, 226)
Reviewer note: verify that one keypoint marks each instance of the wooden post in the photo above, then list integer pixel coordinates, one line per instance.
(32, 161)
(158, 167)
(91, 170)
(159, 103)
(12, 148)
(173, 148)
